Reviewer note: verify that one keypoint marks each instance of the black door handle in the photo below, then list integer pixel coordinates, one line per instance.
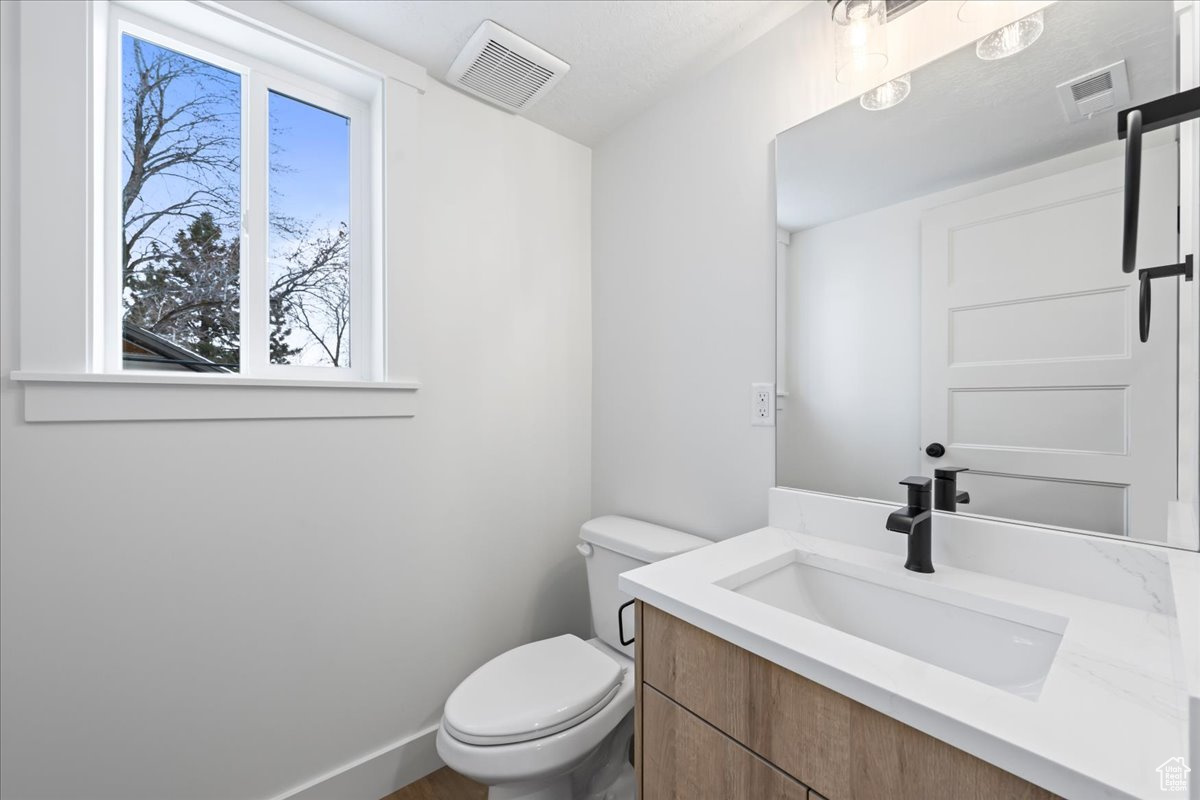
(621, 624)
(935, 450)
(1144, 278)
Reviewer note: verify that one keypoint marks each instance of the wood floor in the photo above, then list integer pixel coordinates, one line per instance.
(445, 784)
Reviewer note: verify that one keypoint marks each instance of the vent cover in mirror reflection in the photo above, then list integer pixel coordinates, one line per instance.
(1104, 89)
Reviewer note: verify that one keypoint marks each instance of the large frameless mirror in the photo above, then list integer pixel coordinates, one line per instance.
(951, 290)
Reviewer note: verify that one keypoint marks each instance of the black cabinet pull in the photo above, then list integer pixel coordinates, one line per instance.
(621, 624)
(1133, 188)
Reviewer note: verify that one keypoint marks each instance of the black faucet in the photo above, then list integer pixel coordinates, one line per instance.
(946, 496)
(914, 520)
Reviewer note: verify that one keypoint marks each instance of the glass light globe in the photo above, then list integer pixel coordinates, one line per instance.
(888, 94)
(860, 39)
(1011, 39)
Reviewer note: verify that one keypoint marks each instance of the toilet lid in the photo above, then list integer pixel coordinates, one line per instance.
(532, 691)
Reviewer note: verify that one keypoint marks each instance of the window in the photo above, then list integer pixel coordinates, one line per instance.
(309, 210)
(238, 214)
(180, 193)
(292, 115)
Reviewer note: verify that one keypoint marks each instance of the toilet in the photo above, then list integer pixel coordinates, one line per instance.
(553, 720)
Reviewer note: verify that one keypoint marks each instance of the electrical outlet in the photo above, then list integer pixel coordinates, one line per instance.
(762, 404)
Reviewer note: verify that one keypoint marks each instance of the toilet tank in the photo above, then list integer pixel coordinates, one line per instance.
(613, 545)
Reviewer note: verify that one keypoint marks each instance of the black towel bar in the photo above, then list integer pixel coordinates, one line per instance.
(1131, 124)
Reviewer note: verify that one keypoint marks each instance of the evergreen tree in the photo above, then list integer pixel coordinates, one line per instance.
(192, 296)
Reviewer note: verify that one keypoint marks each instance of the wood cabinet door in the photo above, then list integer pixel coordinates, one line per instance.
(840, 748)
(688, 759)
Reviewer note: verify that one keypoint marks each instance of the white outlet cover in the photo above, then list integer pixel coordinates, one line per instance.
(762, 404)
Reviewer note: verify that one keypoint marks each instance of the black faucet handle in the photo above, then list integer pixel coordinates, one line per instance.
(918, 491)
(949, 473)
(946, 496)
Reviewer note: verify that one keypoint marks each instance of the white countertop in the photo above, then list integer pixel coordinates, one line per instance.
(1113, 707)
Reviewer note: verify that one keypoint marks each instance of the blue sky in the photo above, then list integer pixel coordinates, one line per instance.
(313, 146)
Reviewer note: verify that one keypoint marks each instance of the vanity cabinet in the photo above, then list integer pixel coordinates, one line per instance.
(716, 721)
(688, 758)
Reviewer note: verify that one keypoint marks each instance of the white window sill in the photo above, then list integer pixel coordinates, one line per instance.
(75, 397)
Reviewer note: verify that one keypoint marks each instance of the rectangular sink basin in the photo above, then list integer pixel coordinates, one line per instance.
(1003, 645)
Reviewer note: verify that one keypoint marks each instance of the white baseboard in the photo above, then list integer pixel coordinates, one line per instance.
(375, 775)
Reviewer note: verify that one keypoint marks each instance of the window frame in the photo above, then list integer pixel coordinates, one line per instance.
(258, 77)
(60, 368)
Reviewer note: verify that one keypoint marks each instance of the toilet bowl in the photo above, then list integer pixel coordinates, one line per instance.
(553, 719)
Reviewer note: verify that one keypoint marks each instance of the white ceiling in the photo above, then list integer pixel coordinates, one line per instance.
(967, 119)
(623, 54)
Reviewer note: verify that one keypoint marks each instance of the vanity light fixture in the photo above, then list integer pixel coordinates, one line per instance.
(860, 39)
(1011, 39)
(888, 94)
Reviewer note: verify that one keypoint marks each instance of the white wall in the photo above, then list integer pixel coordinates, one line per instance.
(189, 611)
(850, 423)
(683, 254)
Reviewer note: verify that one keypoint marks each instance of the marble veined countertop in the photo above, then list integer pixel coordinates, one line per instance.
(1115, 702)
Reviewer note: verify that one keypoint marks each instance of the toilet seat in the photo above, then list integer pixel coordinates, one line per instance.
(532, 691)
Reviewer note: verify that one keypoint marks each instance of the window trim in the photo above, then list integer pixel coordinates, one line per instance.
(132, 395)
(59, 370)
(198, 379)
(258, 79)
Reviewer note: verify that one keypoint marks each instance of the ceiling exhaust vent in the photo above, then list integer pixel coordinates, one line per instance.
(1102, 90)
(504, 69)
